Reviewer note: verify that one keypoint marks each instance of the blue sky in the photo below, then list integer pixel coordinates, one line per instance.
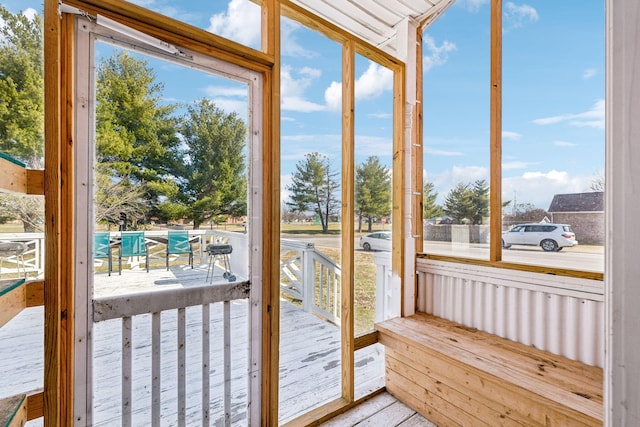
(553, 92)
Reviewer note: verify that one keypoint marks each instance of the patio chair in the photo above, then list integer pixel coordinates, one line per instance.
(178, 244)
(13, 252)
(102, 248)
(132, 243)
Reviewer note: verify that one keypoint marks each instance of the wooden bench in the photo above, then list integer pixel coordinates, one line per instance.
(459, 376)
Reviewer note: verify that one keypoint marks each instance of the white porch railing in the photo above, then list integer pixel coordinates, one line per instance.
(157, 304)
(562, 315)
(307, 275)
(32, 259)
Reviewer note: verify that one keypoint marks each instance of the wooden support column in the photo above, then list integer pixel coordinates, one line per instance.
(53, 411)
(67, 211)
(271, 219)
(348, 214)
(495, 184)
(398, 225)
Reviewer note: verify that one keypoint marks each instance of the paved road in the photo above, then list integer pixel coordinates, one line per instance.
(581, 257)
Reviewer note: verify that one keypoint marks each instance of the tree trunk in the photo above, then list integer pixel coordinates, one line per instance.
(370, 220)
(359, 222)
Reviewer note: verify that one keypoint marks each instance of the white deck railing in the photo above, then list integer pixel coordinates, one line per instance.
(155, 303)
(306, 274)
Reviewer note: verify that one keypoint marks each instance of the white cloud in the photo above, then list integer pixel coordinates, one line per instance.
(514, 165)
(538, 188)
(373, 82)
(535, 187)
(333, 96)
(437, 152)
(229, 105)
(289, 42)
(380, 115)
(516, 16)
(592, 118)
(445, 181)
(435, 55)
(588, 73)
(241, 23)
(30, 13)
(293, 89)
(474, 5)
(511, 135)
(560, 143)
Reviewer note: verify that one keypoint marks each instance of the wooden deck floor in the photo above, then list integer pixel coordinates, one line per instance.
(381, 410)
(309, 356)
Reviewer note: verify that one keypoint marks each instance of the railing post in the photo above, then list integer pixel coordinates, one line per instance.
(308, 280)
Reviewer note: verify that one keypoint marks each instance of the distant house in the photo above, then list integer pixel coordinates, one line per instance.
(584, 212)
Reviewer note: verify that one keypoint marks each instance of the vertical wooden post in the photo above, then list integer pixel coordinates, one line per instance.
(348, 213)
(269, 369)
(398, 192)
(52, 299)
(67, 212)
(495, 184)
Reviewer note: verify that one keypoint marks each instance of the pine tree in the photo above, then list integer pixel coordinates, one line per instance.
(213, 177)
(314, 188)
(373, 191)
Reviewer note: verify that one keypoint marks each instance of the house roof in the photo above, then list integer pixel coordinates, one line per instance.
(578, 202)
(376, 21)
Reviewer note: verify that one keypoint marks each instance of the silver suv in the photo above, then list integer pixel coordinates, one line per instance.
(550, 237)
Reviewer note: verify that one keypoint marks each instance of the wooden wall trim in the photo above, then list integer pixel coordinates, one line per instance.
(35, 406)
(177, 32)
(35, 293)
(365, 340)
(520, 267)
(13, 178)
(35, 182)
(270, 368)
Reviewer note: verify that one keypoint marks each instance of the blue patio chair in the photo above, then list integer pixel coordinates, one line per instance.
(178, 244)
(132, 243)
(102, 247)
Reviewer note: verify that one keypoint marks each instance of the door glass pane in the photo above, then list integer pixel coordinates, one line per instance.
(169, 236)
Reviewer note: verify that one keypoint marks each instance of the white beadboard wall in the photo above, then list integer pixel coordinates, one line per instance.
(562, 315)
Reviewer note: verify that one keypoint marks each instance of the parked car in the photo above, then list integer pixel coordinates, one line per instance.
(550, 237)
(378, 241)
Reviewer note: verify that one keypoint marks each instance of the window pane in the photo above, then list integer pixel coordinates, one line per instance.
(456, 133)
(553, 135)
(311, 178)
(373, 184)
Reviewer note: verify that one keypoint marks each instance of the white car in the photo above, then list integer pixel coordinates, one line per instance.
(378, 241)
(550, 237)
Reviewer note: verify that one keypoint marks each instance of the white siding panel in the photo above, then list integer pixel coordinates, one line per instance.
(558, 314)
